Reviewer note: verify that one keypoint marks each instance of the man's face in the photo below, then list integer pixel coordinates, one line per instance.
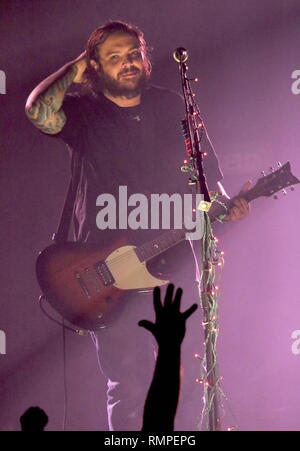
(122, 65)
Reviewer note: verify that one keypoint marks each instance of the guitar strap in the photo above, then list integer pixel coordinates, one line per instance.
(62, 233)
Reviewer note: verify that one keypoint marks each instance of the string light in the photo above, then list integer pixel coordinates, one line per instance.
(212, 258)
(202, 381)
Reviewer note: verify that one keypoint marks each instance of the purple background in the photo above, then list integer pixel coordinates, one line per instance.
(244, 53)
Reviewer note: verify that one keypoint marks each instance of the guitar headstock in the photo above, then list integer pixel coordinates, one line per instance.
(270, 184)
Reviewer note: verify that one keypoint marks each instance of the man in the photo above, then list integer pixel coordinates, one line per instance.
(122, 132)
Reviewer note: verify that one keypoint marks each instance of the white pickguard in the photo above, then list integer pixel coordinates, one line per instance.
(129, 273)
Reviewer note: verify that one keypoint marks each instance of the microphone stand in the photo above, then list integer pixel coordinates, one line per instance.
(193, 129)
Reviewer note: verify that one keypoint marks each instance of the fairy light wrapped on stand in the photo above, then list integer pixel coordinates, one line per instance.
(211, 258)
(212, 262)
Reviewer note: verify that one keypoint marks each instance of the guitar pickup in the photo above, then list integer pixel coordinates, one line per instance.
(82, 284)
(104, 273)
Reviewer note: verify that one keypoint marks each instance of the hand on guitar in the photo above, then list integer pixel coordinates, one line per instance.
(240, 208)
(169, 326)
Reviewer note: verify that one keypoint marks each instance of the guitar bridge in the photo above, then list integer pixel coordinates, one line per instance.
(104, 273)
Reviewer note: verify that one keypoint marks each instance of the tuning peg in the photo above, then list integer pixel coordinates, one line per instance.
(279, 164)
(284, 192)
(292, 188)
(271, 169)
(192, 180)
(263, 173)
(275, 197)
(185, 168)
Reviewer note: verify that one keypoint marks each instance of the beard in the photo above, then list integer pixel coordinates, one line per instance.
(115, 87)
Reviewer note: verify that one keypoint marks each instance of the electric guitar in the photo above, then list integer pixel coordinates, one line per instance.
(86, 285)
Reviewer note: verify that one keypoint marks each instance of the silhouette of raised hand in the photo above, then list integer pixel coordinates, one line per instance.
(169, 326)
(169, 330)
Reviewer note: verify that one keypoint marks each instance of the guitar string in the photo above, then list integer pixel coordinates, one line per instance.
(116, 260)
(150, 243)
(178, 232)
(179, 238)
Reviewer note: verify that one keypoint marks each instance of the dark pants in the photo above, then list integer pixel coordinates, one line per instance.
(126, 357)
(126, 354)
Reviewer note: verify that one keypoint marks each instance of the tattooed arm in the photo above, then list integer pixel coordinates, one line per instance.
(44, 104)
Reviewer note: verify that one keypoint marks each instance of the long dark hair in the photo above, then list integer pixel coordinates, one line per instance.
(98, 36)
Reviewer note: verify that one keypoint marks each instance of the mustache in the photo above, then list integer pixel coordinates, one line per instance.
(132, 70)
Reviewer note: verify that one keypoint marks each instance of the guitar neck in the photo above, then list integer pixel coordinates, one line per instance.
(265, 186)
(171, 238)
(163, 242)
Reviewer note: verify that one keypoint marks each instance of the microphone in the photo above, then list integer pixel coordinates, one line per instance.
(180, 55)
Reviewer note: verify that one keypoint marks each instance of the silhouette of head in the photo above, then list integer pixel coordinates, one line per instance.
(34, 419)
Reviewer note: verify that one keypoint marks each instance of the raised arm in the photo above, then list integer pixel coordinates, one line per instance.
(44, 104)
(168, 330)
